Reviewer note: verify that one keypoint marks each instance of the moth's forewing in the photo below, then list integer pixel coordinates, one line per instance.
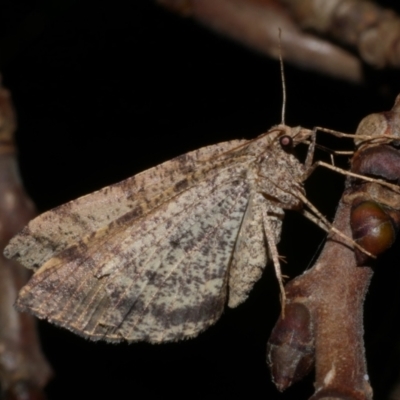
(116, 268)
(61, 227)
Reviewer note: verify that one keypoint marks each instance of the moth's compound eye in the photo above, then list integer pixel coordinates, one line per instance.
(286, 142)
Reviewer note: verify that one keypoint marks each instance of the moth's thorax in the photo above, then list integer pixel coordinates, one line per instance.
(277, 173)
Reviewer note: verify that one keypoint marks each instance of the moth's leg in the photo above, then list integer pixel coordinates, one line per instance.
(269, 234)
(338, 133)
(335, 152)
(316, 217)
(317, 221)
(311, 169)
(375, 139)
(312, 145)
(311, 150)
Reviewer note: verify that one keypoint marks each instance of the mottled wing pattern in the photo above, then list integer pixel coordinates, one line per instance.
(57, 229)
(159, 270)
(162, 278)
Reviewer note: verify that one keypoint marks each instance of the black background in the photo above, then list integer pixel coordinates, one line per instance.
(104, 90)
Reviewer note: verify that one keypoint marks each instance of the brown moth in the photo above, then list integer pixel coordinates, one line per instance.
(157, 256)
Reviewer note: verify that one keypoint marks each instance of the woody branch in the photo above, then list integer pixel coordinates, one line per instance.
(324, 306)
(363, 25)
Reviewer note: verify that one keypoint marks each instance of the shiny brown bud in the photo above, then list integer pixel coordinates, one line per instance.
(290, 349)
(372, 228)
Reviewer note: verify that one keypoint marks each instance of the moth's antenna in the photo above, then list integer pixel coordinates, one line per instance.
(282, 78)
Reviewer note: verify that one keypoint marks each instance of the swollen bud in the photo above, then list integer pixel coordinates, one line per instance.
(374, 126)
(372, 228)
(290, 349)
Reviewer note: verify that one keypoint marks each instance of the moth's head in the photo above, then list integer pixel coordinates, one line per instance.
(290, 137)
(281, 138)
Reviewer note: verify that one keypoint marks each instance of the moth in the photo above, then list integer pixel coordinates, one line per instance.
(157, 256)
